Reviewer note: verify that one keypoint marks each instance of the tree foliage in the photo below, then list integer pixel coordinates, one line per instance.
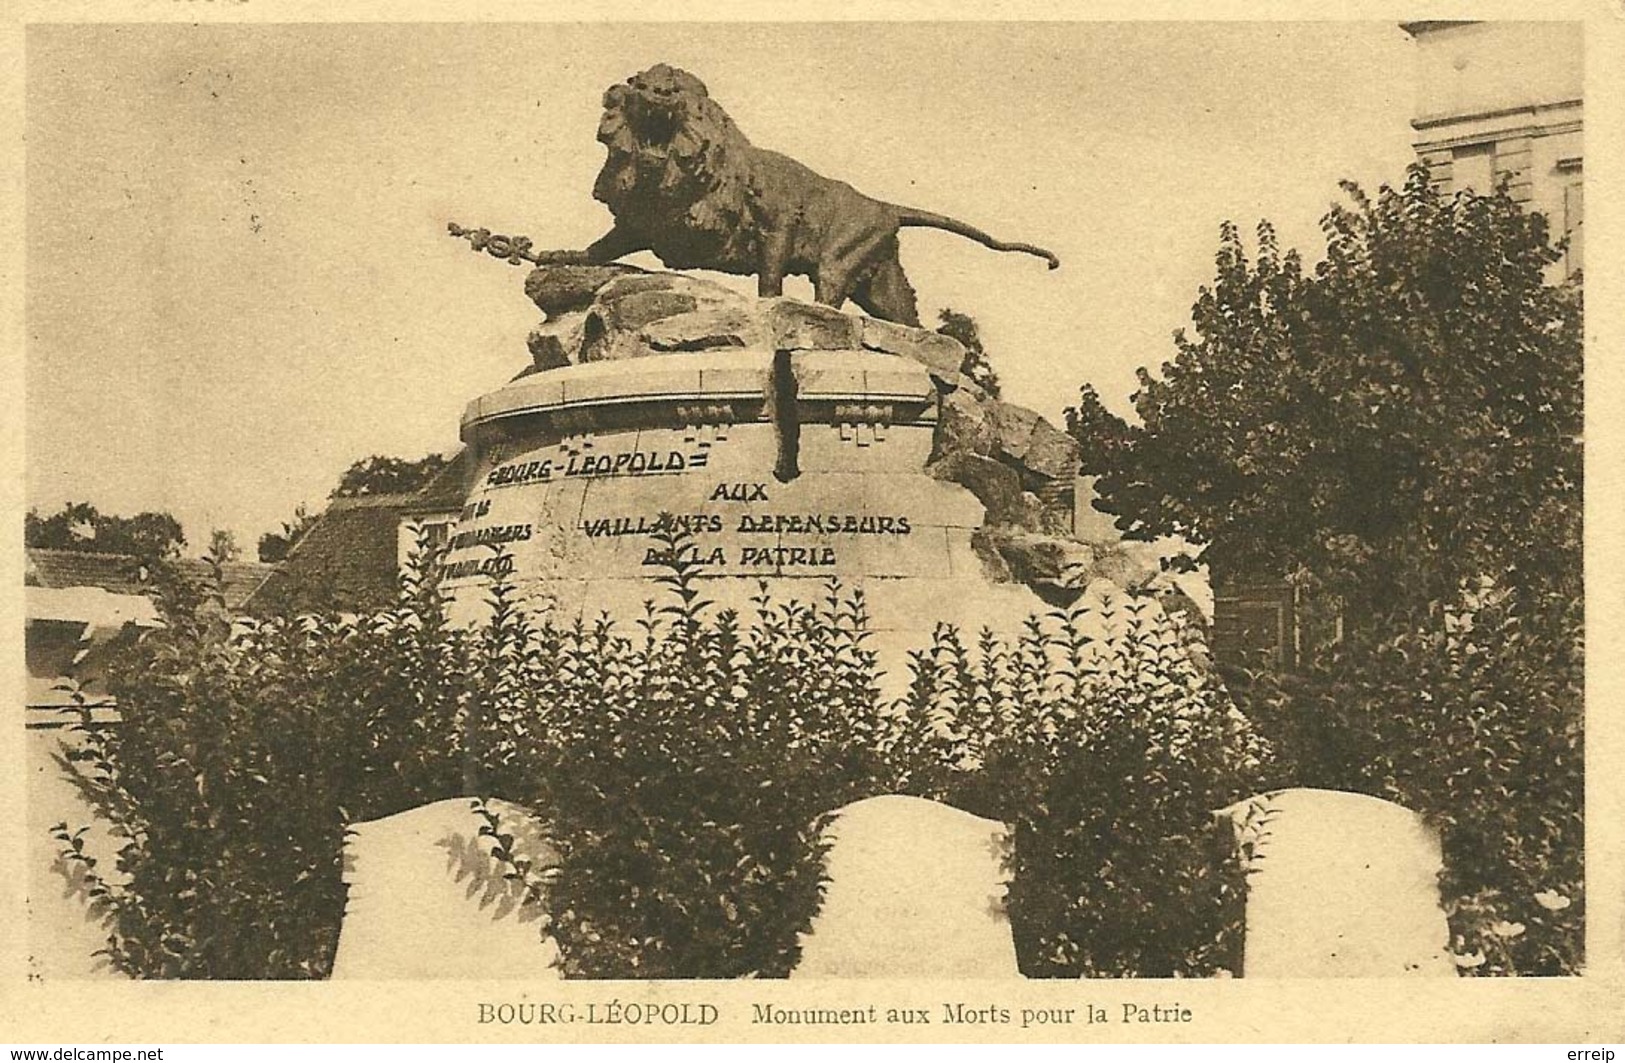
(80, 526)
(1398, 431)
(1404, 416)
(223, 545)
(274, 546)
(381, 475)
(976, 365)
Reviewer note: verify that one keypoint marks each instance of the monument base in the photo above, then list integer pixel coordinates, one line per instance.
(790, 446)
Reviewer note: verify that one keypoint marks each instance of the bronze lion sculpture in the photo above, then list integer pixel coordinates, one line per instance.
(683, 182)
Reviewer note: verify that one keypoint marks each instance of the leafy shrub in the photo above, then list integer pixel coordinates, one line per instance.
(684, 767)
(1107, 750)
(242, 752)
(684, 774)
(1474, 717)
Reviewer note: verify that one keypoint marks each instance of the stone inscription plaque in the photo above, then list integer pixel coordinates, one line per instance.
(588, 509)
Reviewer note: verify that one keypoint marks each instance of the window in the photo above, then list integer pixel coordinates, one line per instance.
(1574, 226)
(1473, 167)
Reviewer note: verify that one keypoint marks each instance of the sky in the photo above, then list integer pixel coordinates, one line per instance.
(239, 281)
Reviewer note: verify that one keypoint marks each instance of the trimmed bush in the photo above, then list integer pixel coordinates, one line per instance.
(684, 767)
(1108, 751)
(243, 749)
(684, 774)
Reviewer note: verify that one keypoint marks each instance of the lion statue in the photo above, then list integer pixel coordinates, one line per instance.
(683, 182)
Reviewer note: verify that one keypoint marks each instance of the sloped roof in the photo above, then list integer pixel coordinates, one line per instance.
(347, 560)
(446, 490)
(60, 569)
(449, 488)
(350, 558)
(124, 574)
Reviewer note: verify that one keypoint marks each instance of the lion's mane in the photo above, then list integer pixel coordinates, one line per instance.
(692, 178)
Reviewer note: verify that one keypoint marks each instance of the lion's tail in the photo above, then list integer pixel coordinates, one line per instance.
(925, 219)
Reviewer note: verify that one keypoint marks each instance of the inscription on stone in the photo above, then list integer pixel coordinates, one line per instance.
(490, 567)
(777, 556)
(612, 527)
(493, 536)
(626, 463)
(740, 492)
(822, 524)
(809, 528)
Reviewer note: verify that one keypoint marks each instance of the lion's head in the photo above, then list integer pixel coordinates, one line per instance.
(668, 141)
(654, 105)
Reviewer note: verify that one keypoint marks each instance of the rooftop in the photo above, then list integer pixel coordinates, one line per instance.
(126, 574)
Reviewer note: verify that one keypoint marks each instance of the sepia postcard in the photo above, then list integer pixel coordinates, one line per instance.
(775, 524)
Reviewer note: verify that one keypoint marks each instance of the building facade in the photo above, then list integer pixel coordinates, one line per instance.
(1502, 101)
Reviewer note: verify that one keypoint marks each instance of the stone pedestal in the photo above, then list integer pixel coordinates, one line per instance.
(794, 444)
(916, 890)
(427, 900)
(1339, 885)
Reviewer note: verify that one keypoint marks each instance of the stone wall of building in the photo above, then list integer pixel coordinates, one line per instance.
(1503, 101)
